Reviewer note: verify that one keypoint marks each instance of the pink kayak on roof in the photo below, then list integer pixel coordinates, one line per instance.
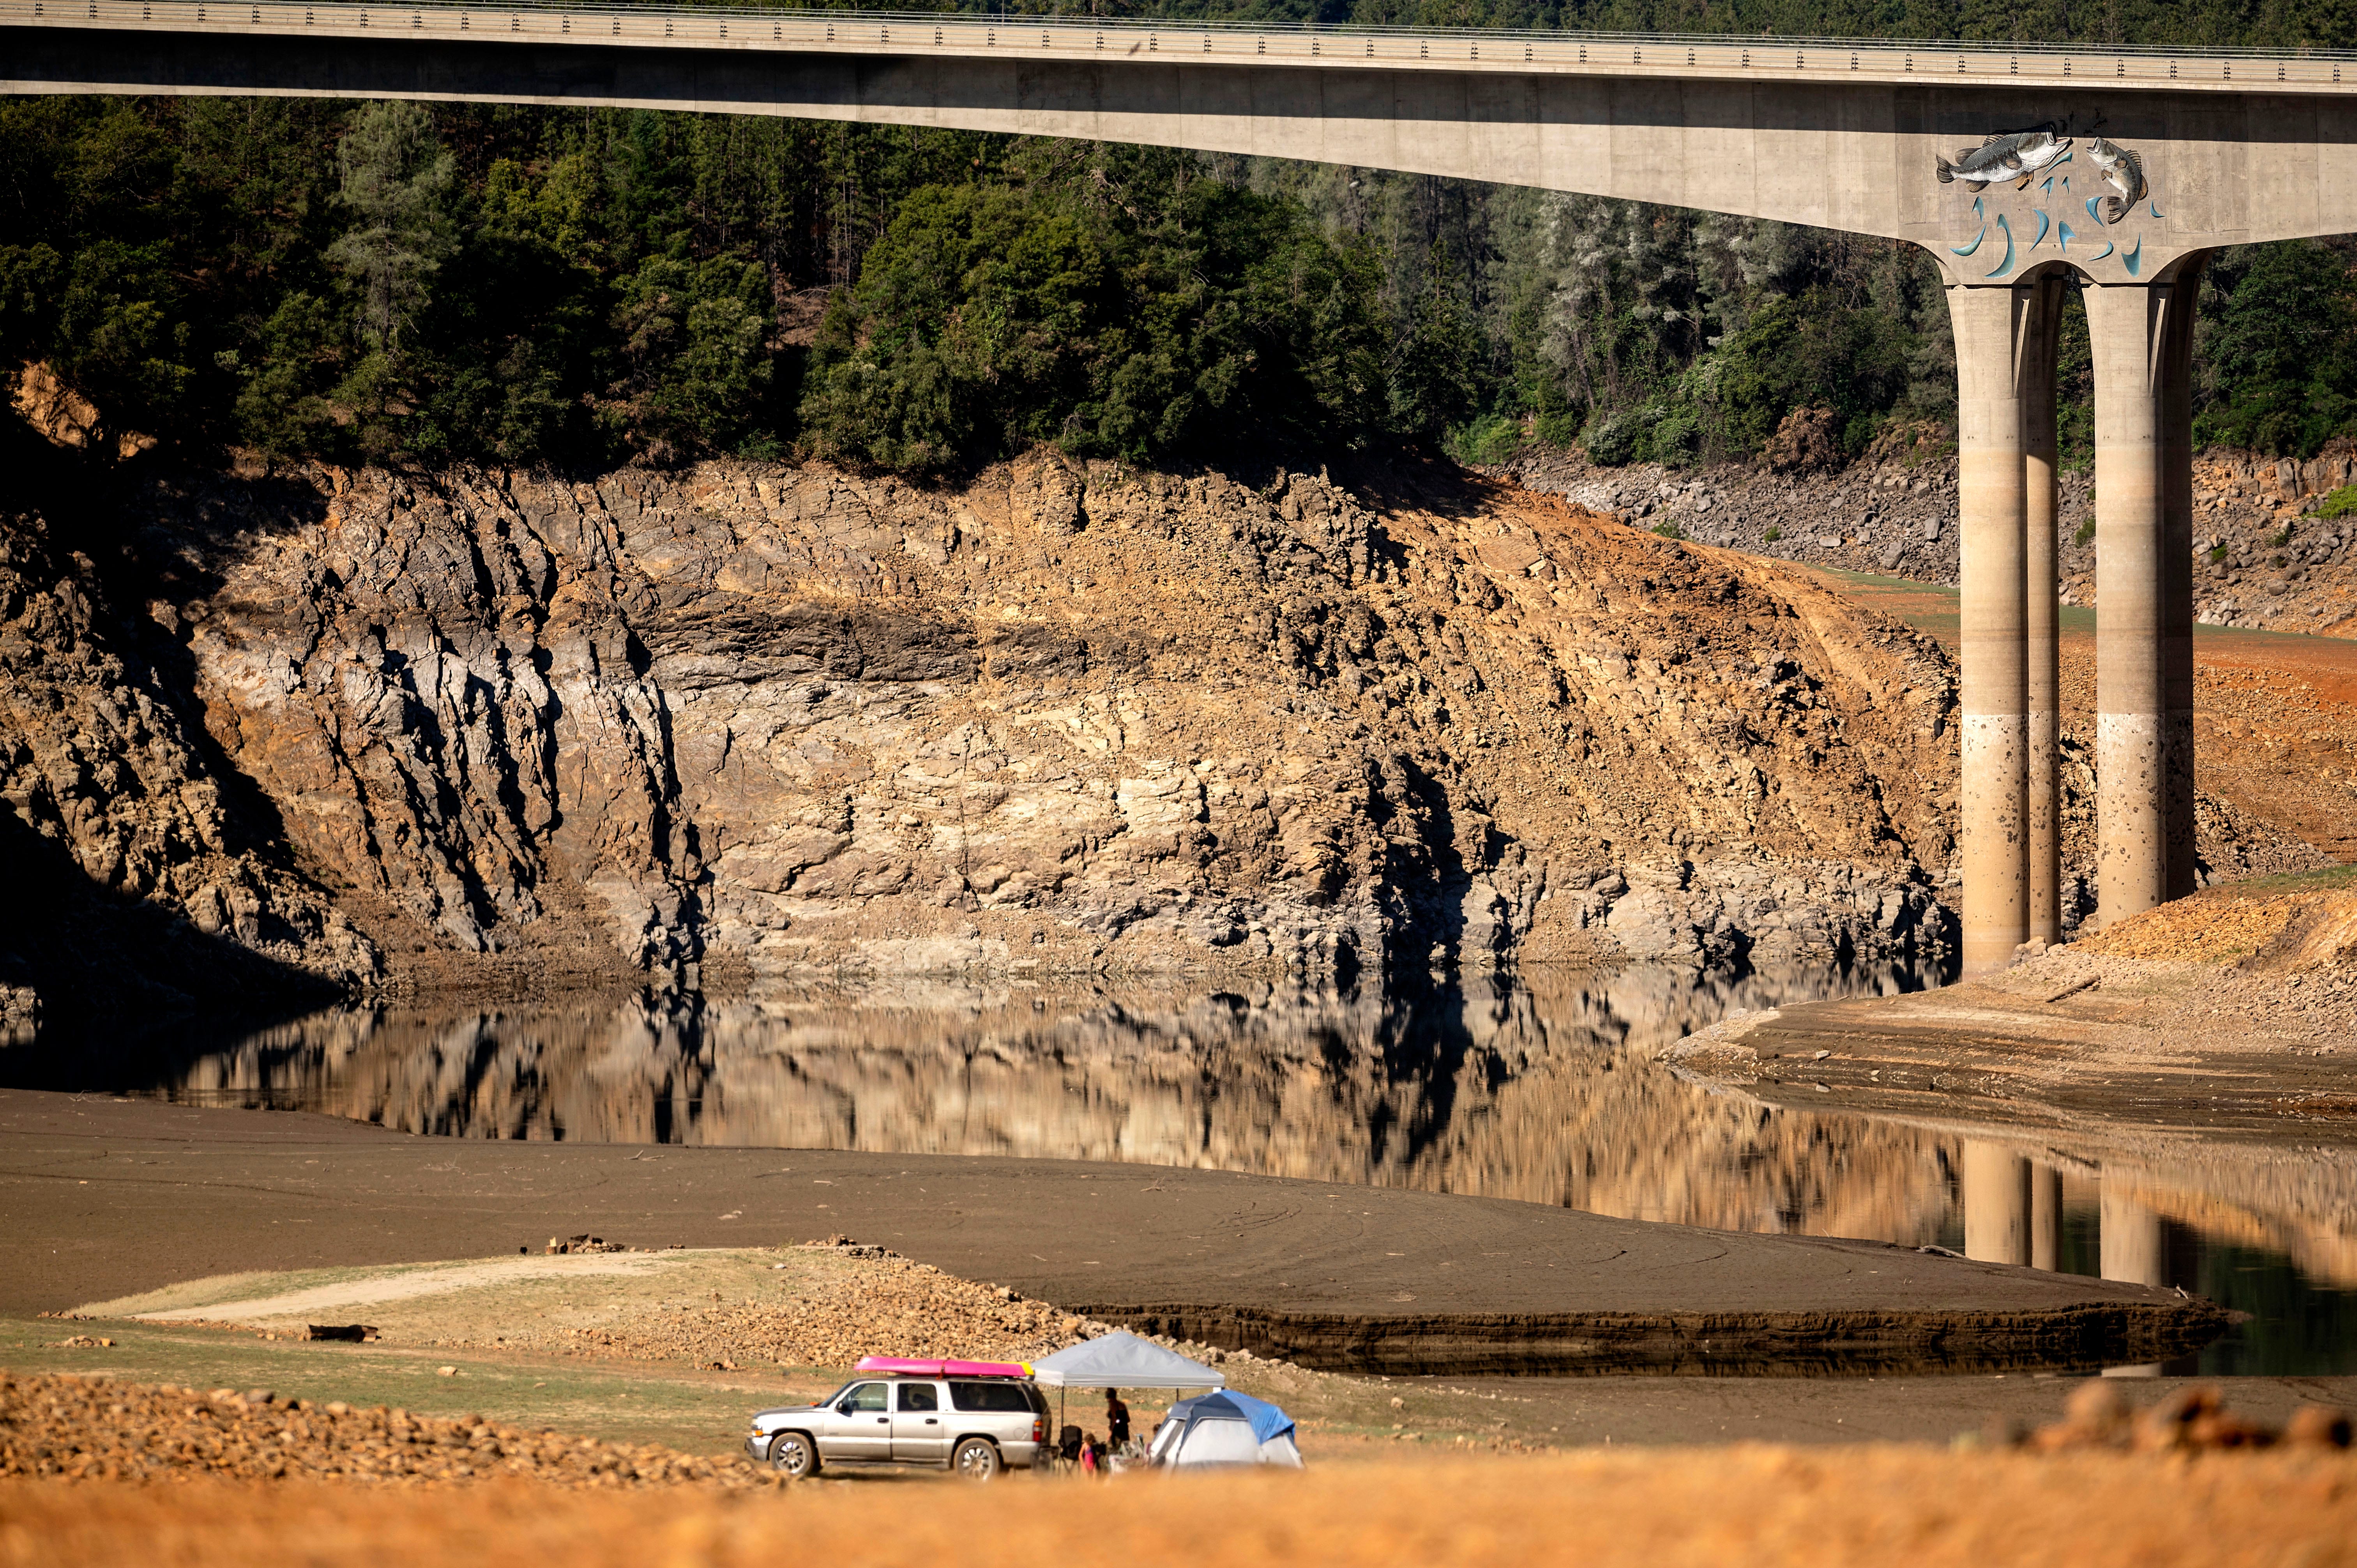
(943, 1368)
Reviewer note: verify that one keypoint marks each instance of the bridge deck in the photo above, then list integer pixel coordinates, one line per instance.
(967, 35)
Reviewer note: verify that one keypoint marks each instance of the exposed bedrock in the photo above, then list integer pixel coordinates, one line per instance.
(2081, 1337)
(413, 729)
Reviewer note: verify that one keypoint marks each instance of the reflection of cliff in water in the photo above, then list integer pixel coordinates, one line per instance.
(1541, 1089)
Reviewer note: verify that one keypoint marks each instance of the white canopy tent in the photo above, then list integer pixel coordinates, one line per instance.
(1120, 1360)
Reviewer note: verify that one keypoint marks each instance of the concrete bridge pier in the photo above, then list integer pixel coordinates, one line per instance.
(2004, 420)
(2142, 335)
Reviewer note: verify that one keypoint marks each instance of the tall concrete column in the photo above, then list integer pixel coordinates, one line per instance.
(2004, 348)
(2143, 341)
(2041, 613)
(1996, 1203)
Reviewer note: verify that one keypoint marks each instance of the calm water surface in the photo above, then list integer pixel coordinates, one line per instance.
(1541, 1089)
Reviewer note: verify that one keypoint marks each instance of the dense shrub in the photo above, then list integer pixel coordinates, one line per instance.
(990, 317)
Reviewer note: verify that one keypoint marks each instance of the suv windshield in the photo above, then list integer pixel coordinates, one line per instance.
(862, 1396)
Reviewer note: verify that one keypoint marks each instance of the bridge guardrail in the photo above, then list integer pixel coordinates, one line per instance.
(970, 34)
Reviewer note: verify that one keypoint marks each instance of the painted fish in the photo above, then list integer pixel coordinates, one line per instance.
(2123, 172)
(2016, 156)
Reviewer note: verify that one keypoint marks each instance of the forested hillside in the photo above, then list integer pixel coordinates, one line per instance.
(390, 282)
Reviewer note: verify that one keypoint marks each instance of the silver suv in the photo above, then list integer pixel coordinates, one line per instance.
(975, 1426)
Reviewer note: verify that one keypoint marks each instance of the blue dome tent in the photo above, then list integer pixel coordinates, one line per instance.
(1225, 1428)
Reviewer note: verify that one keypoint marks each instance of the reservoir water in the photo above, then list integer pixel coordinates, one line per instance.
(1544, 1088)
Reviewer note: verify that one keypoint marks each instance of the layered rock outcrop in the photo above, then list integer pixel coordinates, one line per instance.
(396, 728)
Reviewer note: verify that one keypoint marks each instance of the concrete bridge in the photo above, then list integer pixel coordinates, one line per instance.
(2116, 170)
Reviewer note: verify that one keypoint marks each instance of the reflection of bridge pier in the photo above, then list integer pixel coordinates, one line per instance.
(1997, 1204)
(2045, 1218)
(2013, 1207)
(2013, 1214)
(2131, 1249)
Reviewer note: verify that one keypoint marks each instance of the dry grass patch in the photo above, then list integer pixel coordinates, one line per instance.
(1756, 1505)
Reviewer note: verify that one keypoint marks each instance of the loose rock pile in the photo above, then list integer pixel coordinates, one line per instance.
(884, 1304)
(1890, 516)
(559, 1246)
(2264, 553)
(80, 1428)
(2195, 1418)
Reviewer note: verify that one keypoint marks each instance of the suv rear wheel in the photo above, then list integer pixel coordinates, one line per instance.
(791, 1454)
(976, 1459)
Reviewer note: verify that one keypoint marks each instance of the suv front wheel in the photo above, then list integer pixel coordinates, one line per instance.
(976, 1459)
(791, 1455)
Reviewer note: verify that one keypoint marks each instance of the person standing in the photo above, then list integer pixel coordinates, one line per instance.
(1116, 1420)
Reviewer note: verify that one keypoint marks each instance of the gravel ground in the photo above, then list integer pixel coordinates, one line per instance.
(823, 1304)
(2255, 926)
(93, 1428)
(2265, 557)
(884, 1304)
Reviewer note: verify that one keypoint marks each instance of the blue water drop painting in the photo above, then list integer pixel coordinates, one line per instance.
(2134, 259)
(2043, 224)
(2062, 233)
(2099, 255)
(2149, 207)
(2006, 265)
(1968, 249)
(2090, 208)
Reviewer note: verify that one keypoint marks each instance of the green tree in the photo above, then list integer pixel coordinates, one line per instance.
(1436, 379)
(1134, 311)
(2281, 356)
(694, 345)
(398, 179)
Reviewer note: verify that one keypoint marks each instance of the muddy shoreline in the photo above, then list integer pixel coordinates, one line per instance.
(107, 1197)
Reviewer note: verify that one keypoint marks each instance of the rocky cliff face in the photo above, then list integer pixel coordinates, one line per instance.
(398, 730)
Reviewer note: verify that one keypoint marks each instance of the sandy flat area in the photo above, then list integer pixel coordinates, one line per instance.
(225, 1301)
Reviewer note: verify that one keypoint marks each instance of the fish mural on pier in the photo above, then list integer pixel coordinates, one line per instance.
(2123, 172)
(2016, 157)
(2037, 156)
